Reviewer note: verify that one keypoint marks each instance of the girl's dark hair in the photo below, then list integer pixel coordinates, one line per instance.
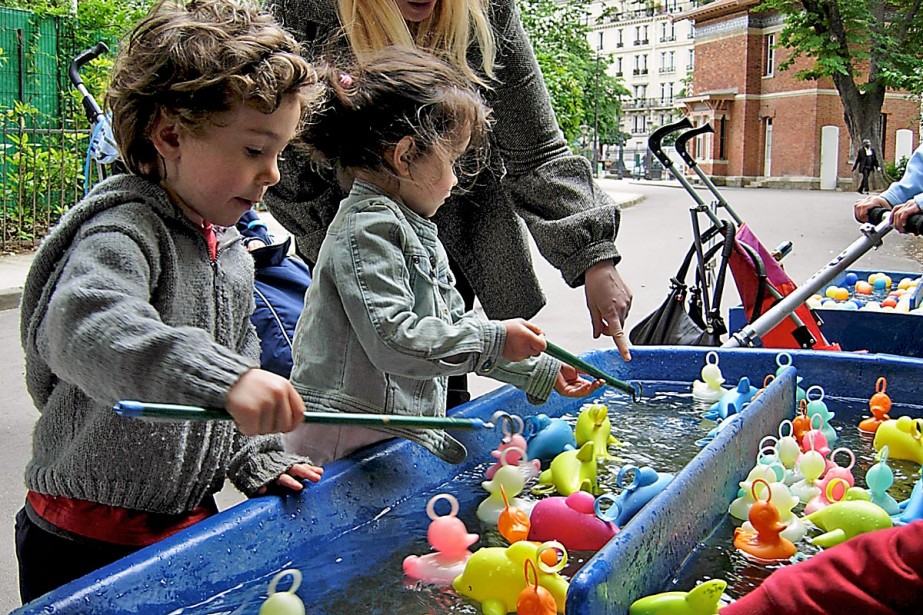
(388, 95)
(192, 61)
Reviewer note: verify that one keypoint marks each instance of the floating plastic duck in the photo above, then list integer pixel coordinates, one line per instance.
(572, 521)
(535, 599)
(450, 539)
(512, 482)
(705, 599)
(879, 405)
(732, 401)
(903, 438)
(548, 437)
(645, 485)
(911, 509)
(494, 576)
(816, 440)
(512, 452)
(785, 502)
(879, 479)
(783, 360)
(287, 602)
(837, 477)
(801, 424)
(817, 407)
(740, 507)
(847, 519)
(787, 446)
(709, 389)
(513, 523)
(569, 472)
(593, 425)
(811, 465)
(765, 543)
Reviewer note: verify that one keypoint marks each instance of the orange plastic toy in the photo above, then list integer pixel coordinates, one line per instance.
(801, 424)
(535, 599)
(879, 404)
(765, 542)
(513, 523)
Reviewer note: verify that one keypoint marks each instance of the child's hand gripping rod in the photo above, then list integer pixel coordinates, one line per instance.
(574, 361)
(138, 409)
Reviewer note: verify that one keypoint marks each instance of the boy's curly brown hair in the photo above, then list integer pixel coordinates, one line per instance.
(192, 61)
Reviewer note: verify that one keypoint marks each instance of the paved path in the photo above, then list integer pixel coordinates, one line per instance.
(655, 234)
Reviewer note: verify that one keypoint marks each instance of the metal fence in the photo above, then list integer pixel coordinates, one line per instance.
(42, 174)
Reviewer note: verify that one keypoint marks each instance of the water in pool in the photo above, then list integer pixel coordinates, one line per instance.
(660, 431)
(716, 557)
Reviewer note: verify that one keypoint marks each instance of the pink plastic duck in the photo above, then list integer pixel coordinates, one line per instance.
(572, 521)
(450, 539)
(841, 474)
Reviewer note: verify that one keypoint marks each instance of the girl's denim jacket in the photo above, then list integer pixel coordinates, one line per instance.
(384, 327)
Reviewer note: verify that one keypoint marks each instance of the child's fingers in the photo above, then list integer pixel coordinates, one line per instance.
(306, 471)
(289, 482)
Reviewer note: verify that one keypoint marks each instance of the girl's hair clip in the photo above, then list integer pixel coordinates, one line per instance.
(346, 80)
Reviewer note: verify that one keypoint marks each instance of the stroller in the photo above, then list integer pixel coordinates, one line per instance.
(691, 315)
(280, 280)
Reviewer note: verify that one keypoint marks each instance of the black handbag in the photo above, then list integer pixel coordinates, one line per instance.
(680, 323)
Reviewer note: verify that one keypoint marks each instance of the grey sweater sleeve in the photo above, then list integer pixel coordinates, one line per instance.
(574, 222)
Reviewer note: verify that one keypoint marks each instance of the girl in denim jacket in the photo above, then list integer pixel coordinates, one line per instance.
(383, 326)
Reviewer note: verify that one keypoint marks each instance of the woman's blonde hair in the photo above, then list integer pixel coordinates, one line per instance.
(372, 25)
(193, 61)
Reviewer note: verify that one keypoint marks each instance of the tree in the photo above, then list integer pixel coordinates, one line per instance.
(865, 46)
(582, 92)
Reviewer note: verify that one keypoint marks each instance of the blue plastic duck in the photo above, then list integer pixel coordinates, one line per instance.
(647, 483)
(817, 407)
(733, 401)
(912, 507)
(879, 479)
(547, 437)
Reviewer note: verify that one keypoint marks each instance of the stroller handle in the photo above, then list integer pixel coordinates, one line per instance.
(684, 138)
(655, 141)
(914, 223)
(90, 106)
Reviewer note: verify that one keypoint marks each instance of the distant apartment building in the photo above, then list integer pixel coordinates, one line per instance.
(653, 56)
(767, 123)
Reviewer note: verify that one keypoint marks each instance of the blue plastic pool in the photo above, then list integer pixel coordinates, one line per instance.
(242, 548)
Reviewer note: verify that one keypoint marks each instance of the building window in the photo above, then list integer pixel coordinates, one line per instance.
(644, 64)
(599, 43)
(619, 42)
(722, 138)
(618, 67)
(637, 35)
(667, 32)
(644, 39)
(690, 63)
(769, 53)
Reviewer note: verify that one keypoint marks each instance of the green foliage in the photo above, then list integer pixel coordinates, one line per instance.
(852, 37)
(39, 176)
(896, 170)
(582, 93)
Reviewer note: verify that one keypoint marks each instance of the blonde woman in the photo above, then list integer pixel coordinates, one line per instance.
(531, 177)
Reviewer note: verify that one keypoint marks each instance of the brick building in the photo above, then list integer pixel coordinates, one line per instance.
(767, 123)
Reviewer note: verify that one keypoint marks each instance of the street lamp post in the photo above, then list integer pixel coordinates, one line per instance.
(596, 115)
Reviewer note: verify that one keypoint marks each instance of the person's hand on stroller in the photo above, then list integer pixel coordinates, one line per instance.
(901, 214)
(609, 300)
(569, 383)
(866, 204)
(523, 340)
(262, 402)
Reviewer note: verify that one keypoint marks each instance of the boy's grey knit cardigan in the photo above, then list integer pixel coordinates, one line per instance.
(123, 302)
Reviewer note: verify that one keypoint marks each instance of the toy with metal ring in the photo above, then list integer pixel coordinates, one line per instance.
(449, 538)
(286, 602)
